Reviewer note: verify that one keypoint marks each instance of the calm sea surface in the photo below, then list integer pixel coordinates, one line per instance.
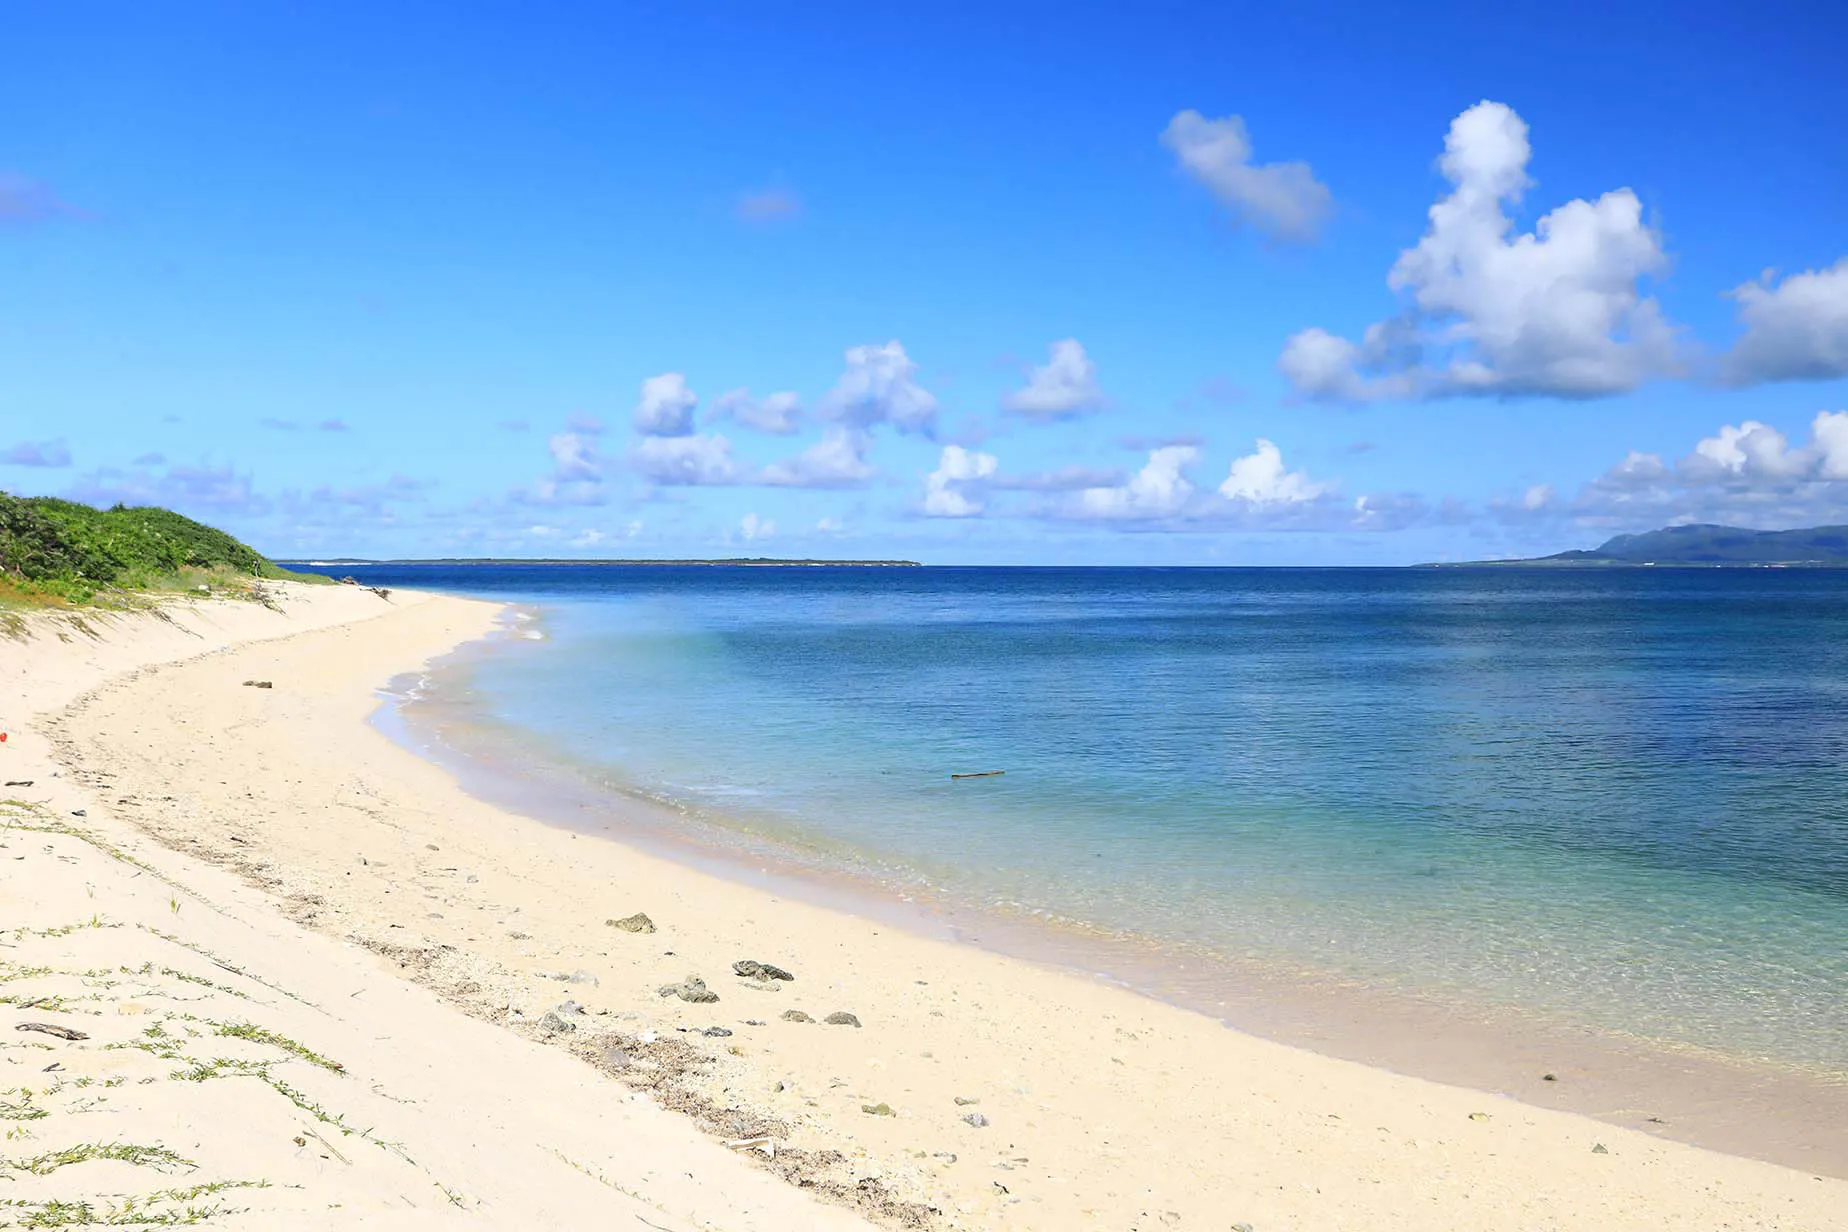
(1617, 797)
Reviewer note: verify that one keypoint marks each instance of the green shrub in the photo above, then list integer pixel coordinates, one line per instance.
(74, 550)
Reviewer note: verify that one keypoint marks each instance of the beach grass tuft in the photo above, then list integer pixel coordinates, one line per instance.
(262, 1035)
(156, 1157)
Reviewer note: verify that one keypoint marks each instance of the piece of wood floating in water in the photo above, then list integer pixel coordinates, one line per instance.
(980, 774)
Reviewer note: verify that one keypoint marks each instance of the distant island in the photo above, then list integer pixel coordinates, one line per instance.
(754, 561)
(1702, 546)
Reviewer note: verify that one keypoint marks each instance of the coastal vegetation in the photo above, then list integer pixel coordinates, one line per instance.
(58, 553)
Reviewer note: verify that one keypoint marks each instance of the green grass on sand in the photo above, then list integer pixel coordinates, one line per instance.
(57, 553)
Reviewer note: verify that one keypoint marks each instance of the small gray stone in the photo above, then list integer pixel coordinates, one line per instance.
(841, 1018)
(751, 969)
(964, 1101)
(879, 1109)
(553, 1022)
(796, 1016)
(1598, 1148)
(977, 1119)
(614, 1057)
(718, 1032)
(637, 923)
(693, 989)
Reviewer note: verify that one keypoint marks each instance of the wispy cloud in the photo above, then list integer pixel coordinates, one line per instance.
(1283, 200)
(768, 205)
(194, 490)
(25, 201)
(779, 414)
(50, 454)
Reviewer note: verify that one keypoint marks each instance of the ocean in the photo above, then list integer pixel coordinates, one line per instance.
(1617, 799)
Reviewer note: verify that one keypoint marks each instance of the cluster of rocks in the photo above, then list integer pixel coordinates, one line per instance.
(840, 1018)
(691, 989)
(564, 1017)
(751, 969)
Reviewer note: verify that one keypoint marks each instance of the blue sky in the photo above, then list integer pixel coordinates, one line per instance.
(1034, 282)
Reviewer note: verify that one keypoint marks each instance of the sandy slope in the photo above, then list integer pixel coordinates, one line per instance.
(1102, 1109)
(257, 1074)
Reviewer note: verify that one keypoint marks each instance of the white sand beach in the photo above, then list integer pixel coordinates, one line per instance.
(320, 985)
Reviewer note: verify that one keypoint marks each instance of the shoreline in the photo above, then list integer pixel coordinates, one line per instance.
(1099, 1107)
(213, 1062)
(1760, 1109)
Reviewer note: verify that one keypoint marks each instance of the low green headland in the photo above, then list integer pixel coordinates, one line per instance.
(57, 553)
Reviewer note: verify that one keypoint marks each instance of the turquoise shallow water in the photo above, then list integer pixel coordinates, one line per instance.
(1618, 797)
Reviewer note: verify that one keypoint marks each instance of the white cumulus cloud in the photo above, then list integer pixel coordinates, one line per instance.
(1284, 200)
(685, 461)
(1261, 478)
(838, 460)
(1556, 311)
(574, 458)
(753, 527)
(1796, 330)
(1748, 472)
(778, 414)
(1752, 449)
(880, 385)
(947, 490)
(1063, 387)
(1160, 489)
(666, 406)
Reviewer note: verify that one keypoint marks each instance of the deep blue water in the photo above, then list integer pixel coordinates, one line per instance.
(1616, 796)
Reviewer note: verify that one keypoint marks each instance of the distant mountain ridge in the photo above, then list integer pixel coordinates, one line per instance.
(1709, 545)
